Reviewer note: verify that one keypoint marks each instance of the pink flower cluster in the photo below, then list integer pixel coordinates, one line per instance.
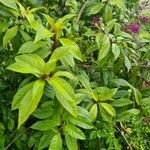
(135, 27)
(144, 20)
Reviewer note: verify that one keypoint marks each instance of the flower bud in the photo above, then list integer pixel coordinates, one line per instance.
(144, 20)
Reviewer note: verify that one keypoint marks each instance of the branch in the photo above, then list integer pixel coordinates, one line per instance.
(81, 10)
(17, 138)
(124, 138)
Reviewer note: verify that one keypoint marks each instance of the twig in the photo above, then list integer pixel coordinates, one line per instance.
(81, 10)
(17, 138)
(124, 138)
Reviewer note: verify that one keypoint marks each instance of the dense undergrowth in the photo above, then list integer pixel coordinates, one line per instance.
(74, 74)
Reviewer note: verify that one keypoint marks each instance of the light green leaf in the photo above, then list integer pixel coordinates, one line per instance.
(45, 140)
(138, 96)
(62, 21)
(105, 93)
(108, 13)
(81, 122)
(119, 3)
(67, 60)
(110, 25)
(122, 102)
(84, 79)
(21, 94)
(34, 23)
(122, 82)
(64, 74)
(50, 21)
(25, 35)
(45, 125)
(42, 33)
(94, 111)
(95, 8)
(29, 104)
(126, 115)
(109, 109)
(65, 94)
(44, 111)
(72, 48)
(105, 115)
(10, 4)
(105, 47)
(28, 63)
(115, 50)
(30, 46)
(4, 26)
(74, 132)
(71, 143)
(127, 63)
(60, 24)
(56, 142)
(10, 33)
(98, 37)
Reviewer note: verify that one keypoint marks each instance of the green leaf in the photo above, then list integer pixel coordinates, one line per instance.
(64, 74)
(105, 93)
(10, 33)
(105, 47)
(138, 96)
(119, 3)
(21, 94)
(34, 23)
(81, 122)
(122, 82)
(122, 102)
(84, 79)
(45, 125)
(71, 143)
(98, 37)
(50, 20)
(60, 24)
(42, 33)
(28, 63)
(145, 101)
(4, 26)
(29, 104)
(95, 8)
(110, 25)
(72, 48)
(10, 4)
(127, 63)
(105, 115)
(25, 35)
(62, 21)
(115, 50)
(67, 60)
(108, 13)
(74, 132)
(45, 111)
(84, 113)
(56, 142)
(45, 140)
(126, 115)
(65, 94)
(108, 108)
(30, 47)
(94, 111)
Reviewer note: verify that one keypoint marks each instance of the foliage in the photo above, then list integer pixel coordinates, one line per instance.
(77, 72)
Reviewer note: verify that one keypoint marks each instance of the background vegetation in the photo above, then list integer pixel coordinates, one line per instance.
(74, 74)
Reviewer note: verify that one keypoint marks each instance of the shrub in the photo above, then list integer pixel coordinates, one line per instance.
(77, 72)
